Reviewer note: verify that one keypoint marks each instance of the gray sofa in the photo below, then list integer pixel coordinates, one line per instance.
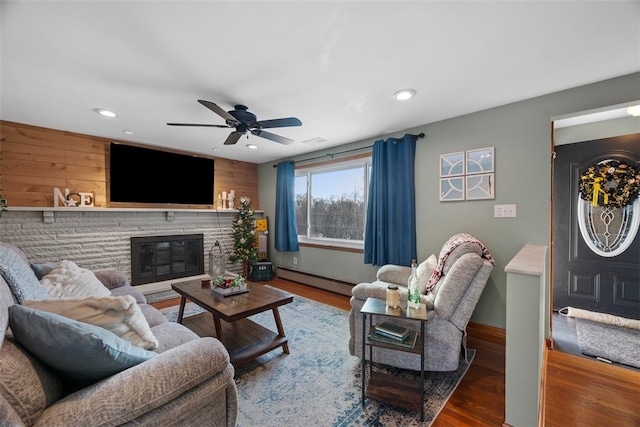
(450, 305)
(188, 383)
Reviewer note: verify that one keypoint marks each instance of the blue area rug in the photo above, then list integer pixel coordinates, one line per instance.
(319, 383)
(190, 309)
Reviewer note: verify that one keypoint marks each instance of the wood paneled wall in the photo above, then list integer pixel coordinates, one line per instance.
(35, 160)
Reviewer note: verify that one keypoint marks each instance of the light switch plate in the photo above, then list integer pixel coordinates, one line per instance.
(504, 211)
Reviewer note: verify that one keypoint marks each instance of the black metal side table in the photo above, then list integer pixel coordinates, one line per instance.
(387, 388)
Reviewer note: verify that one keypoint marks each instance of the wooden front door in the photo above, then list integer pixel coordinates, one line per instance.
(582, 276)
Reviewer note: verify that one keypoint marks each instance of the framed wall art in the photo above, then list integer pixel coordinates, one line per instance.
(467, 175)
(479, 174)
(451, 189)
(479, 161)
(452, 164)
(452, 176)
(479, 186)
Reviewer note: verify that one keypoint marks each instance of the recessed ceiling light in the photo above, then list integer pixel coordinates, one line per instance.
(104, 112)
(634, 110)
(128, 132)
(252, 146)
(404, 94)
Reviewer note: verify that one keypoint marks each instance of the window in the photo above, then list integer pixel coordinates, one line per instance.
(331, 202)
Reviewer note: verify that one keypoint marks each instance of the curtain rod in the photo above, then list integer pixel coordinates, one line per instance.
(420, 135)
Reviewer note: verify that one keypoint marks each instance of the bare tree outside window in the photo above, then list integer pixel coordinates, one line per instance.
(301, 204)
(331, 201)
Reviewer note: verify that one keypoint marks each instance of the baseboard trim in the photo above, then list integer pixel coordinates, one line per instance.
(149, 288)
(333, 285)
(487, 333)
(543, 389)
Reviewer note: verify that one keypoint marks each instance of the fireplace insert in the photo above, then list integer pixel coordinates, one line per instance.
(159, 258)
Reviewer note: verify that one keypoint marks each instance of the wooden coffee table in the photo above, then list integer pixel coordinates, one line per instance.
(244, 339)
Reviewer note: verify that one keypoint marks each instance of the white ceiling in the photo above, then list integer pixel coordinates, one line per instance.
(333, 64)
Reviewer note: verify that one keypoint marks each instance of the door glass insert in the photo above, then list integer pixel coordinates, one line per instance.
(606, 230)
(607, 217)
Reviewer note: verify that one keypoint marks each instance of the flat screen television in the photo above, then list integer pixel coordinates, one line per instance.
(144, 175)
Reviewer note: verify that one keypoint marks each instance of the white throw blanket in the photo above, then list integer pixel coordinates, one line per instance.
(609, 319)
(69, 280)
(120, 315)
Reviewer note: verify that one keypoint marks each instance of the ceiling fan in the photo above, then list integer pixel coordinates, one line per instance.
(245, 121)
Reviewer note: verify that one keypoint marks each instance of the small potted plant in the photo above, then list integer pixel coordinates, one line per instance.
(229, 285)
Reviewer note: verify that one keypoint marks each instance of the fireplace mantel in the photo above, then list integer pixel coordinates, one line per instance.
(48, 213)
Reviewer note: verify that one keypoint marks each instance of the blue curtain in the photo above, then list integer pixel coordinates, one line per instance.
(286, 232)
(390, 230)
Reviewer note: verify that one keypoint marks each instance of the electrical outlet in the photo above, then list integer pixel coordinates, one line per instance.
(295, 260)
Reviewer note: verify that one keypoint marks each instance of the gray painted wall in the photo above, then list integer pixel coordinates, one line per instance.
(521, 135)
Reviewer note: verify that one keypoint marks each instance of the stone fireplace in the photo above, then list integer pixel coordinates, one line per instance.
(158, 258)
(100, 238)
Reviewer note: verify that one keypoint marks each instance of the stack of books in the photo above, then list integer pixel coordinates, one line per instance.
(389, 333)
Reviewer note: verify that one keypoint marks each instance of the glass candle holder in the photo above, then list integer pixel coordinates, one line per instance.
(393, 296)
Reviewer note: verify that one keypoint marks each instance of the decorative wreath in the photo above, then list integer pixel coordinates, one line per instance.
(610, 183)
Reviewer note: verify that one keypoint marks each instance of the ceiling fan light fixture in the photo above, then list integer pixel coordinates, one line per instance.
(246, 122)
(634, 110)
(404, 94)
(105, 113)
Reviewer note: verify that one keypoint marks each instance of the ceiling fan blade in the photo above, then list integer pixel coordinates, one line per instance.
(233, 138)
(272, 136)
(219, 111)
(197, 124)
(279, 123)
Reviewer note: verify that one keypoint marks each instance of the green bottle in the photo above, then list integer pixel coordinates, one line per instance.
(413, 295)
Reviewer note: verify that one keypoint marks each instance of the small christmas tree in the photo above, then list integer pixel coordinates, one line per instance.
(245, 245)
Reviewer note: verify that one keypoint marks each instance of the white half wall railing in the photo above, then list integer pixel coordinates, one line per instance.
(526, 329)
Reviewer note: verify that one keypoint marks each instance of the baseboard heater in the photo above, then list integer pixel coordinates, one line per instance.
(333, 285)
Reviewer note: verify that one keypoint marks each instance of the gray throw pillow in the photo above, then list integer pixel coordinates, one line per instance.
(111, 279)
(20, 277)
(42, 269)
(79, 352)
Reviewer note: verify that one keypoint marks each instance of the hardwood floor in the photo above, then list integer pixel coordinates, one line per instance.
(586, 392)
(479, 398)
(578, 392)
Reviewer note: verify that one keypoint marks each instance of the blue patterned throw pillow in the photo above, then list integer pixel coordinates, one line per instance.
(19, 276)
